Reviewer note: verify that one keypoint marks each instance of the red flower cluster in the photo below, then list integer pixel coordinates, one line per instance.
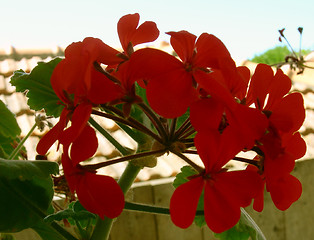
(81, 86)
(231, 112)
(206, 80)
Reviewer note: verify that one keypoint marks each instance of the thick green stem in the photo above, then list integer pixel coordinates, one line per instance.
(103, 227)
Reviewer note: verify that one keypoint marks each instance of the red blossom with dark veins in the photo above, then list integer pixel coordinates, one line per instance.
(172, 83)
(98, 194)
(282, 144)
(224, 192)
(130, 33)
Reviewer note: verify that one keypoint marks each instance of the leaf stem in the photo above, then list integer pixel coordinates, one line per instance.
(107, 135)
(21, 143)
(129, 122)
(122, 159)
(154, 119)
(189, 161)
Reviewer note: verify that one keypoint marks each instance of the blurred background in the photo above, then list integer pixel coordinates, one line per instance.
(246, 27)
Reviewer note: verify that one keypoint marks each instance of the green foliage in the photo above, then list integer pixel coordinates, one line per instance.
(26, 191)
(275, 55)
(182, 177)
(9, 131)
(77, 216)
(244, 229)
(272, 56)
(38, 87)
(75, 212)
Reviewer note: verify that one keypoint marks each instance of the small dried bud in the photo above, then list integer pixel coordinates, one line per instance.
(281, 32)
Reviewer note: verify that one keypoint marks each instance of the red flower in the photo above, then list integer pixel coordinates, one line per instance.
(98, 194)
(131, 34)
(77, 75)
(80, 87)
(224, 192)
(83, 138)
(281, 145)
(284, 188)
(269, 93)
(246, 124)
(171, 83)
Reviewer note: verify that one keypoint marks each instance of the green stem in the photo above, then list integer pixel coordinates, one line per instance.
(154, 119)
(107, 135)
(103, 227)
(21, 143)
(189, 161)
(152, 209)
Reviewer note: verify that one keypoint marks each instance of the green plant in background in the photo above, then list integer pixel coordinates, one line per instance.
(284, 55)
(275, 55)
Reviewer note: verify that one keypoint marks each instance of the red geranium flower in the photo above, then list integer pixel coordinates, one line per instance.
(284, 188)
(281, 145)
(98, 194)
(80, 87)
(224, 192)
(171, 83)
(130, 34)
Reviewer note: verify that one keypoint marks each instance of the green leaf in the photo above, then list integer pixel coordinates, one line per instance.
(8, 124)
(232, 234)
(77, 216)
(244, 229)
(182, 177)
(27, 170)
(70, 213)
(26, 191)
(39, 90)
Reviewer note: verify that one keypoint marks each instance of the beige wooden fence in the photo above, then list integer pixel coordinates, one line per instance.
(297, 223)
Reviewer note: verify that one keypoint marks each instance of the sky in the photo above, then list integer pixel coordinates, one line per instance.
(246, 27)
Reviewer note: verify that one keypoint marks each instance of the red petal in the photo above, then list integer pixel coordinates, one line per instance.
(149, 63)
(206, 114)
(183, 44)
(225, 193)
(208, 147)
(96, 50)
(279, 87)
(100, 195)
(215, 86)
(71, 173)
(102, 89)
(222, 211)
(210, 50)
(79, 119)
(260, 82)
(289, 114)
(50, 137)
(84, 146)
(285, 191)
(249, 123)
(294, 144)
(171, 94)
(146, 32)
(183, 203)
(126, 28)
